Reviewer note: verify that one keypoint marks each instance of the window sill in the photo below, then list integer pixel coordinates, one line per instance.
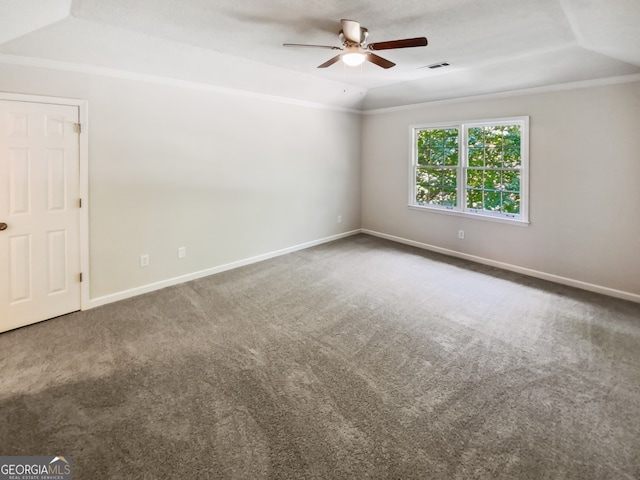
(477, 216)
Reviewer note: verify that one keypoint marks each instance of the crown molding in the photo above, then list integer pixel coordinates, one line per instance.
(165, 81)
(599, 82)
(206, 87)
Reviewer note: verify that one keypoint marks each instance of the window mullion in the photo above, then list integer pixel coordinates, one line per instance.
(462, 168)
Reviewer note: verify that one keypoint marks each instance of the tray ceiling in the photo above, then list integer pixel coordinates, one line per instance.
(491, 45)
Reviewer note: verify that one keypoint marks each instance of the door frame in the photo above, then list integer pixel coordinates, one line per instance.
(83, 119)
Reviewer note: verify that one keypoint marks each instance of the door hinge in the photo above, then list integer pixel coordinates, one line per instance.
(80, 277)
(79, 203)
(77, 127)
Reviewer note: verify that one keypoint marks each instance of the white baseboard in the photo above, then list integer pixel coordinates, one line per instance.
(513, 268)
(114, 297)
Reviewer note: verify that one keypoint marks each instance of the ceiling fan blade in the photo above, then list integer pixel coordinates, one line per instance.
(351, 30)
(407, 42)
(330, 62)
(310, 46)
(381, 62)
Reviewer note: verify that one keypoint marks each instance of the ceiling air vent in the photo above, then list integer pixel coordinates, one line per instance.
(437, 65)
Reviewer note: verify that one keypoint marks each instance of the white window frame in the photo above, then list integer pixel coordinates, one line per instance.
(461, 208)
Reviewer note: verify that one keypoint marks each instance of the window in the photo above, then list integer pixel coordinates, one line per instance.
(476, 168)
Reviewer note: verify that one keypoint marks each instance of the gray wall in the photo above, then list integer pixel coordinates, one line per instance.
(230, 177)
(584, 185)
(226, 176)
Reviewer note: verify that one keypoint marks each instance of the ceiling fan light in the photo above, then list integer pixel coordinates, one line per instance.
(353, 59)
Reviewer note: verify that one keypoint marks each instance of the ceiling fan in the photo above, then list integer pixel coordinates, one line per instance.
(355, 49)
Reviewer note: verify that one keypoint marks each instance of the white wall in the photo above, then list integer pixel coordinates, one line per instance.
(226, 176)
(584, 185)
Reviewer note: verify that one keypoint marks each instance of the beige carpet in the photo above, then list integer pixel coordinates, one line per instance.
(355, 359)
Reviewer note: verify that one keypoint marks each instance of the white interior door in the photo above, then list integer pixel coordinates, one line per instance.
(39, 212)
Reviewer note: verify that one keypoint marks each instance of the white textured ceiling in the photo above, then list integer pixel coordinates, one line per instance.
(492, 45)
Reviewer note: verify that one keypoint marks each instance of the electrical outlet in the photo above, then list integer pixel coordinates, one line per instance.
(182, 252)
(339, 218)
(461, 234)
(144, 260)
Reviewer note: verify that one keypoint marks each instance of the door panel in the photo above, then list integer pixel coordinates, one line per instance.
(20, 269)
(57, 261)
(39, 193)
(56, 183)
(19, 175)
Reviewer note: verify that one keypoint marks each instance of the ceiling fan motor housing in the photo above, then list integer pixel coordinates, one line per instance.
(364, 33)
